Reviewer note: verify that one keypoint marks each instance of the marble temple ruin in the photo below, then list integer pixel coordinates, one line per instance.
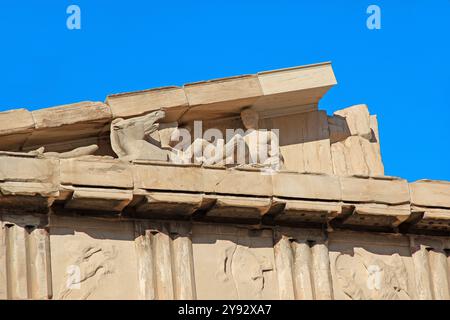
(97, 201)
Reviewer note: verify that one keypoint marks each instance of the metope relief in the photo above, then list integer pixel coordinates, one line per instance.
(365, 276)
(244, 270)
(89, 268)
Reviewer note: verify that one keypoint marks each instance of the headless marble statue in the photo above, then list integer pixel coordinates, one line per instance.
(256, 147)
(263, 145)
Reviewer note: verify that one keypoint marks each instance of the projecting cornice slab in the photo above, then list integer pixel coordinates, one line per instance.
(271, 91)
(283, 91)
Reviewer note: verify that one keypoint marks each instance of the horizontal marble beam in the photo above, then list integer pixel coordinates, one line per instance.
(150, 189)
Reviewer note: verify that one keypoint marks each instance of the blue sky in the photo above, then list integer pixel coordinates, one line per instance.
(402, 72)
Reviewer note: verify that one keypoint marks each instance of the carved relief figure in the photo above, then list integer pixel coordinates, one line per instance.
(144, 139)
(90, 266)
(184, 150)
(372, 278)
(254, 148)
(263, 145)
(244, 269)
(76, 153)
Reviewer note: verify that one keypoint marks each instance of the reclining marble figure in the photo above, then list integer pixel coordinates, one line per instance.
(261, 146)
(75, 153)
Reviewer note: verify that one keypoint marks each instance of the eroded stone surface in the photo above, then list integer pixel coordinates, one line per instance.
(355, 146)
(16, 121)
(430, 193)
(171, 99)
(75, 223)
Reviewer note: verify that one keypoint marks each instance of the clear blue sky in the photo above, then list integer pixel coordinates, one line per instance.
(402, 72)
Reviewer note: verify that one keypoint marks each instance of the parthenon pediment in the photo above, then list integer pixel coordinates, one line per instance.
(287, 99)
(308, 215)
(278, 92)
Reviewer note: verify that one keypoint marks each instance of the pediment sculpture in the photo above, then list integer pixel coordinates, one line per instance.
(144, 138)
(138, 138)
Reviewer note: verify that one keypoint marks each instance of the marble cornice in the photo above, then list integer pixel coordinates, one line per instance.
(112, 188)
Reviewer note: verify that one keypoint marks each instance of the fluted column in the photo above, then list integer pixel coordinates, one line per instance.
(439, 274)
(145, 265)
(183, 266)
(284, 266)
(303, 280)
(3, 275)
(323, 287)
(422, 272)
